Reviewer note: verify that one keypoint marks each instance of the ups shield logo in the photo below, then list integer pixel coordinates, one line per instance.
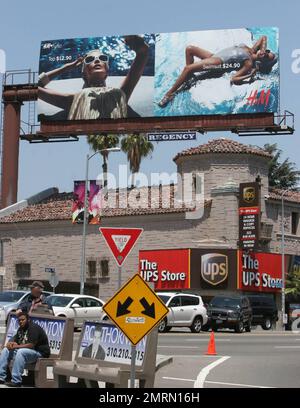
(214, 268)
(249, 194)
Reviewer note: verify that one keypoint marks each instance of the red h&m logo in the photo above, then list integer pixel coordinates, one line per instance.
(259, 98)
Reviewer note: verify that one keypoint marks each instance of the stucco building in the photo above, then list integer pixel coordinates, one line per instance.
(41, 234)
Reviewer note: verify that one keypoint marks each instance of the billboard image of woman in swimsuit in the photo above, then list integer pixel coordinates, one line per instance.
(224, 71)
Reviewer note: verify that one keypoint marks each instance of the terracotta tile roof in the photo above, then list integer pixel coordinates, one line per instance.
(223, 146)
(292, 196)
(58, 206)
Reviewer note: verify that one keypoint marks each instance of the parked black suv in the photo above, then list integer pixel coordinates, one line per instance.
(264, 310)
(233, 312)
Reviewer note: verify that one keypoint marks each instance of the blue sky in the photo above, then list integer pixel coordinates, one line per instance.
(25, 24)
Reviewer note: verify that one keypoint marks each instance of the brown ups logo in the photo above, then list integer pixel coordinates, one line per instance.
(214, 268)
(249, 194)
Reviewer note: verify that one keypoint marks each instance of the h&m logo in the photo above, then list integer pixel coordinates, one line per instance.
(249, 194)
(214, 268)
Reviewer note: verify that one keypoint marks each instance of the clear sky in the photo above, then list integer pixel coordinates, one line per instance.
(23, 25)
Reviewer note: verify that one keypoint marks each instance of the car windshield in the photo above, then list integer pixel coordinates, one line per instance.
(60, 301)
(225, 302)
(10, 296)
(164, 298)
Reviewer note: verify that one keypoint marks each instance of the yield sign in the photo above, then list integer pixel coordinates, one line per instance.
(135, 309)
(120, 241)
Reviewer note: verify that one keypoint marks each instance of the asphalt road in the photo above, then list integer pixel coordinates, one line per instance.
(258, 359)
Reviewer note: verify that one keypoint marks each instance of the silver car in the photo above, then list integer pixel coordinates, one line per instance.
(185, 310)
(77, 307)
(10, 301)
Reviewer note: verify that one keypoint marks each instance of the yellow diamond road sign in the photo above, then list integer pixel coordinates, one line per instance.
(135, 309)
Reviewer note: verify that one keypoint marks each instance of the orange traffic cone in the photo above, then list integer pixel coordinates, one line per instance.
(211, 350)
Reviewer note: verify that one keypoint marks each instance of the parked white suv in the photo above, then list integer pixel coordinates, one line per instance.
(186, 310)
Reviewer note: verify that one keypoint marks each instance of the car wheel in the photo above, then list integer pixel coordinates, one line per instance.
(162, 327)
(239, 327)
(197, 325)
(248, 326)
(105, 318)
(267, 324)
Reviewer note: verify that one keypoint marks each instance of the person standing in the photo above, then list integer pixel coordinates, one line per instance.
(29, 343)
(35, 299)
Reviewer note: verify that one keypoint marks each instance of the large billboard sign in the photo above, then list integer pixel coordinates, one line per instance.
(215, 72)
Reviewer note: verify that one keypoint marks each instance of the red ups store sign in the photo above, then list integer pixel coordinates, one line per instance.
(168, 269)
(173, 269)
(259, 272)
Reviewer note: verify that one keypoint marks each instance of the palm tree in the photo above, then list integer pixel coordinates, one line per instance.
(101, 142)
(281, 175)
(136, 146)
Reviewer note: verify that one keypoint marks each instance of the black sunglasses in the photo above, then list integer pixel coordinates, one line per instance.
(91, 58)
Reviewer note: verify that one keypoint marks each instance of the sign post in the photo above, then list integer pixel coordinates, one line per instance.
(120, 242)
(54, 281)
(135, 309)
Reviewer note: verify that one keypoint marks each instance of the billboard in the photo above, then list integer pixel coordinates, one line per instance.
(216, 72)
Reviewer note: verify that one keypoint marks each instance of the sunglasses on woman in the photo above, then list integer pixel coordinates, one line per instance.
(91, 58)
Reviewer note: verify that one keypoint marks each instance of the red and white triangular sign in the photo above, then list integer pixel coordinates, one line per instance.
(120, 241)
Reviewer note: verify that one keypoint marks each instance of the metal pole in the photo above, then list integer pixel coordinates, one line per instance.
(119, 276)
(282, 262)
(82, 270)
(132, 366)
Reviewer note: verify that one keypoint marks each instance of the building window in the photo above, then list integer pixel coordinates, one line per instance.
(295, 222)
(92, 269)
(23, 270)
(104, 268)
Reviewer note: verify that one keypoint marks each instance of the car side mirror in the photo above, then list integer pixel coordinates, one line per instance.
(75, 306)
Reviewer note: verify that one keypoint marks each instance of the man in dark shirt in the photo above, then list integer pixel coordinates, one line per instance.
(29, 344)
(35, 299)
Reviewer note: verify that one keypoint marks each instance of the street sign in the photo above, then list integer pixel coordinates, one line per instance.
(53, 280)
(120, 241)
(135, 309)
(50, 270)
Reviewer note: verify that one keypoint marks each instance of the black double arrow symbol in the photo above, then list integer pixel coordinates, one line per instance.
(149, 310)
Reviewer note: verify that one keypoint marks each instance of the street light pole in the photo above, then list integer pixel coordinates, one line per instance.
(282, 260)
(83, 244)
